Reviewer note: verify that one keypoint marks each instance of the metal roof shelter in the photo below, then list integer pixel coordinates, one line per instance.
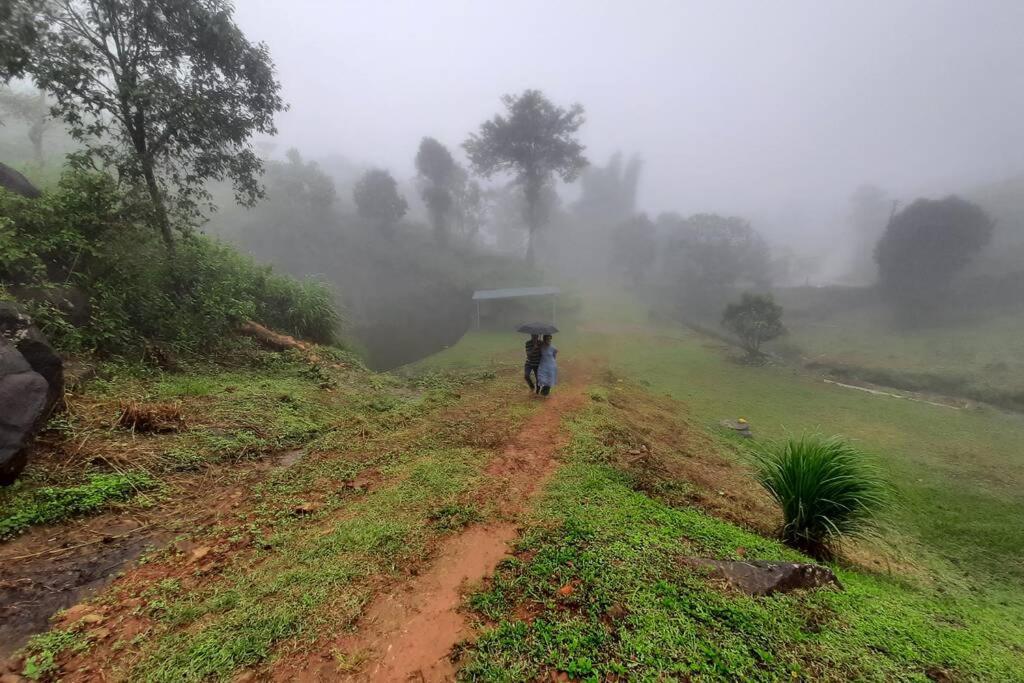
(517, 293)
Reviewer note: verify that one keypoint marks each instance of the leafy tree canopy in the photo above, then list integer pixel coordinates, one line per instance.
(926, 244)
(20, 24)
(755, 319)
(534, 141)
(167, 92)
(709, 255)
(297, 180)
(377, 199)
(439, 177)
(634, 247)
(608, 193)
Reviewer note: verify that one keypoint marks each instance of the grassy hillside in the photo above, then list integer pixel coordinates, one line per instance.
(980, 358)
(299, 492)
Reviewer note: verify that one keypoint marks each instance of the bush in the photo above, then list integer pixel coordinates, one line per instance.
(96, 278)
(825, 488)
(755, 320)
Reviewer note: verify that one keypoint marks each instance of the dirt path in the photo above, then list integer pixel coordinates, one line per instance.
(407, 633)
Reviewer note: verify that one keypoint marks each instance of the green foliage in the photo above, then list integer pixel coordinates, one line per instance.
(755, 319)
(825, 488)
(20, 26)
(54, 504)
(925, 246)
(534, 140)
(439, 175)
(46, 647)
(377, 199)
(168, 92)
(707, 257)
(95, 278)
(635, 247)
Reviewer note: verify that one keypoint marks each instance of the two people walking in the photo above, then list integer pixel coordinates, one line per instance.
(541, 368)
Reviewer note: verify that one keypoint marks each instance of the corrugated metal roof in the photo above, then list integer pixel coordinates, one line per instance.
(514, 292)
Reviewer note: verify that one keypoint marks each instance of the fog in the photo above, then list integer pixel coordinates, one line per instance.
(773, 111)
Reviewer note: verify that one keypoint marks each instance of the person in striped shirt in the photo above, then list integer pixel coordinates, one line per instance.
(532, 361)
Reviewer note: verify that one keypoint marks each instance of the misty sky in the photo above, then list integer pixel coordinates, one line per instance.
(772, 109)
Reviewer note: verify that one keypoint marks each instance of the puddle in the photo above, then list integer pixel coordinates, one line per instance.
(39, 577)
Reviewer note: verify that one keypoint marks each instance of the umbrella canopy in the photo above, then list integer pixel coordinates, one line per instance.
(537, 328)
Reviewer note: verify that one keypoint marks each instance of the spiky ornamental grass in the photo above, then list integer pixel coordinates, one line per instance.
(826, 489)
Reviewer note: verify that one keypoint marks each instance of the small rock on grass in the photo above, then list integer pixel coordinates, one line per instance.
(760, 577)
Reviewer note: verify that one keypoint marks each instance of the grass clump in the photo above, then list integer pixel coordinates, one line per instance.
(46, 647)
(55, 503)
(825, 488)
(597, 591)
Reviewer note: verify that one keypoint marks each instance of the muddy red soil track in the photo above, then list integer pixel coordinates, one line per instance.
(407, 633)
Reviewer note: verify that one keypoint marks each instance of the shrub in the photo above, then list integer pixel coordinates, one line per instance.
(95, 277)
(755, 320)
(825, 488)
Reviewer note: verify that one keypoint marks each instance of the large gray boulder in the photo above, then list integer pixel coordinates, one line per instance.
(31, 388)
(761, 577)
(15, 182)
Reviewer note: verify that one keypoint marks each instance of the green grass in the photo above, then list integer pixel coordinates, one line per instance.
(635, 612)
(981, 359)
(274, 403)
(46, 647)
(957, 473)
(25, 507)
(290, 576)
(209, 633)
(825, 489)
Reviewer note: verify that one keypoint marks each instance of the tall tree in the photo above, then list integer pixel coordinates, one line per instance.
(301, 182)
(925, 245)
(20, 24)
(377, 199)
(870, 211)
(534, 140)
(438, 176)
(608, 193)
(168, 92)
(709, 256)
(634, 247)
(33, 110)
(469, 206)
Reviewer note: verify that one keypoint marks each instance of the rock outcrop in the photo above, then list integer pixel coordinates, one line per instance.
(31, 388)
(15, 182)
(760, 577)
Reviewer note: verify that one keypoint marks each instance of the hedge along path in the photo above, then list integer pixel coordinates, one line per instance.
(276, 555)
(409, 630)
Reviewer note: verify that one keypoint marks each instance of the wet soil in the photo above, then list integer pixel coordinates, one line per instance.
(408, 633)
(50, 569)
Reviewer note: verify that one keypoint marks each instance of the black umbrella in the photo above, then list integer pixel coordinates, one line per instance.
(537, 328)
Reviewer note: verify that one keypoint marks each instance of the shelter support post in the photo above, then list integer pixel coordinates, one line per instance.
(478, 315)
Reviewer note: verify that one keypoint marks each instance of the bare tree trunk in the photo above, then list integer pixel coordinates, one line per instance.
(162, 220)
(35, 135)
(532, 193)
